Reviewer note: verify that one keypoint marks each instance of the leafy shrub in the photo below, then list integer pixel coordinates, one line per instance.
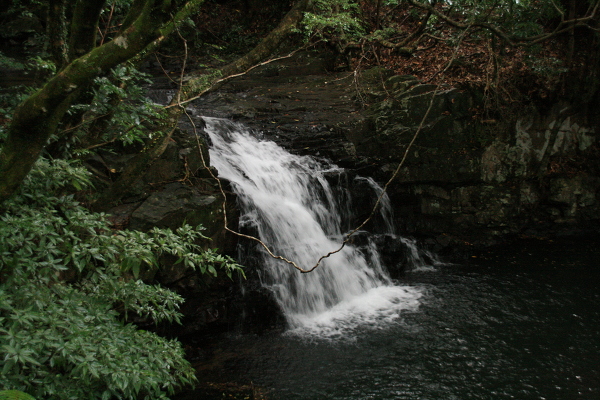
(334, 16)
(117, 110)
(125, 83)
(10, 63)
(66, 280)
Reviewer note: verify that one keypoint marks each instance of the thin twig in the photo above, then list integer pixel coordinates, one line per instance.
(185, 57)
(164, 70)
(107, 25)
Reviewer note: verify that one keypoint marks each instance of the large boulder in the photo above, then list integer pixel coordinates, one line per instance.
(176, 204)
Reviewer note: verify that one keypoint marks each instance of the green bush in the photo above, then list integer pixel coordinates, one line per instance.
(337, 17)
(129, 114)
(67, 281)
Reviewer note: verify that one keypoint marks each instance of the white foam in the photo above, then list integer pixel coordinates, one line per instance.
(375, 309)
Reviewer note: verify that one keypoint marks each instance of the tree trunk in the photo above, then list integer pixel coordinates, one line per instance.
(84, 26)
(378, 15)
(38, 116)
(571, 45)
(56, 31)
(166, 30)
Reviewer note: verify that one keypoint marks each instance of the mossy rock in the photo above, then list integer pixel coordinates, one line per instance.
(401, 83)
(14, 395)
(375, 76)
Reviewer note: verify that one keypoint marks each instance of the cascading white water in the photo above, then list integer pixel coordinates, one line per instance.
(385, 205)
(287, 199)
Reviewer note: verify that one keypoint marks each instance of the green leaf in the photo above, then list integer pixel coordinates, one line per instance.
(136, 270)
(14, 395)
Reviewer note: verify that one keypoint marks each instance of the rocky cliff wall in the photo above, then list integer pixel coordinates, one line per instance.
(478, 181)
(467, 179)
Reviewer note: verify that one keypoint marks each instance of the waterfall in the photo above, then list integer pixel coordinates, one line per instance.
(288, 201)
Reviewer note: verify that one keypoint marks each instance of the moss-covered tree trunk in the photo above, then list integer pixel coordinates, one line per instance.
(37, 118)
(56, 30)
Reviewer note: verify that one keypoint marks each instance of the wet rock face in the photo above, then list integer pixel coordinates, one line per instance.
(174, 190)
(479, 181)
(464, 180)
(178, 190)
(297, 102)
(444, 149)
(175, 203)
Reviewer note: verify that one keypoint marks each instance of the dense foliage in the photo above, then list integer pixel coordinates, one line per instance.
(14, 395)
(73, 290)
(69, 283)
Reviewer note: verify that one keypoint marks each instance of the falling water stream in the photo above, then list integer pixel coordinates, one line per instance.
(522, 322)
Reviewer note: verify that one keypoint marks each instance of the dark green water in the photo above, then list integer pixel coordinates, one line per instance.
(519, 323)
